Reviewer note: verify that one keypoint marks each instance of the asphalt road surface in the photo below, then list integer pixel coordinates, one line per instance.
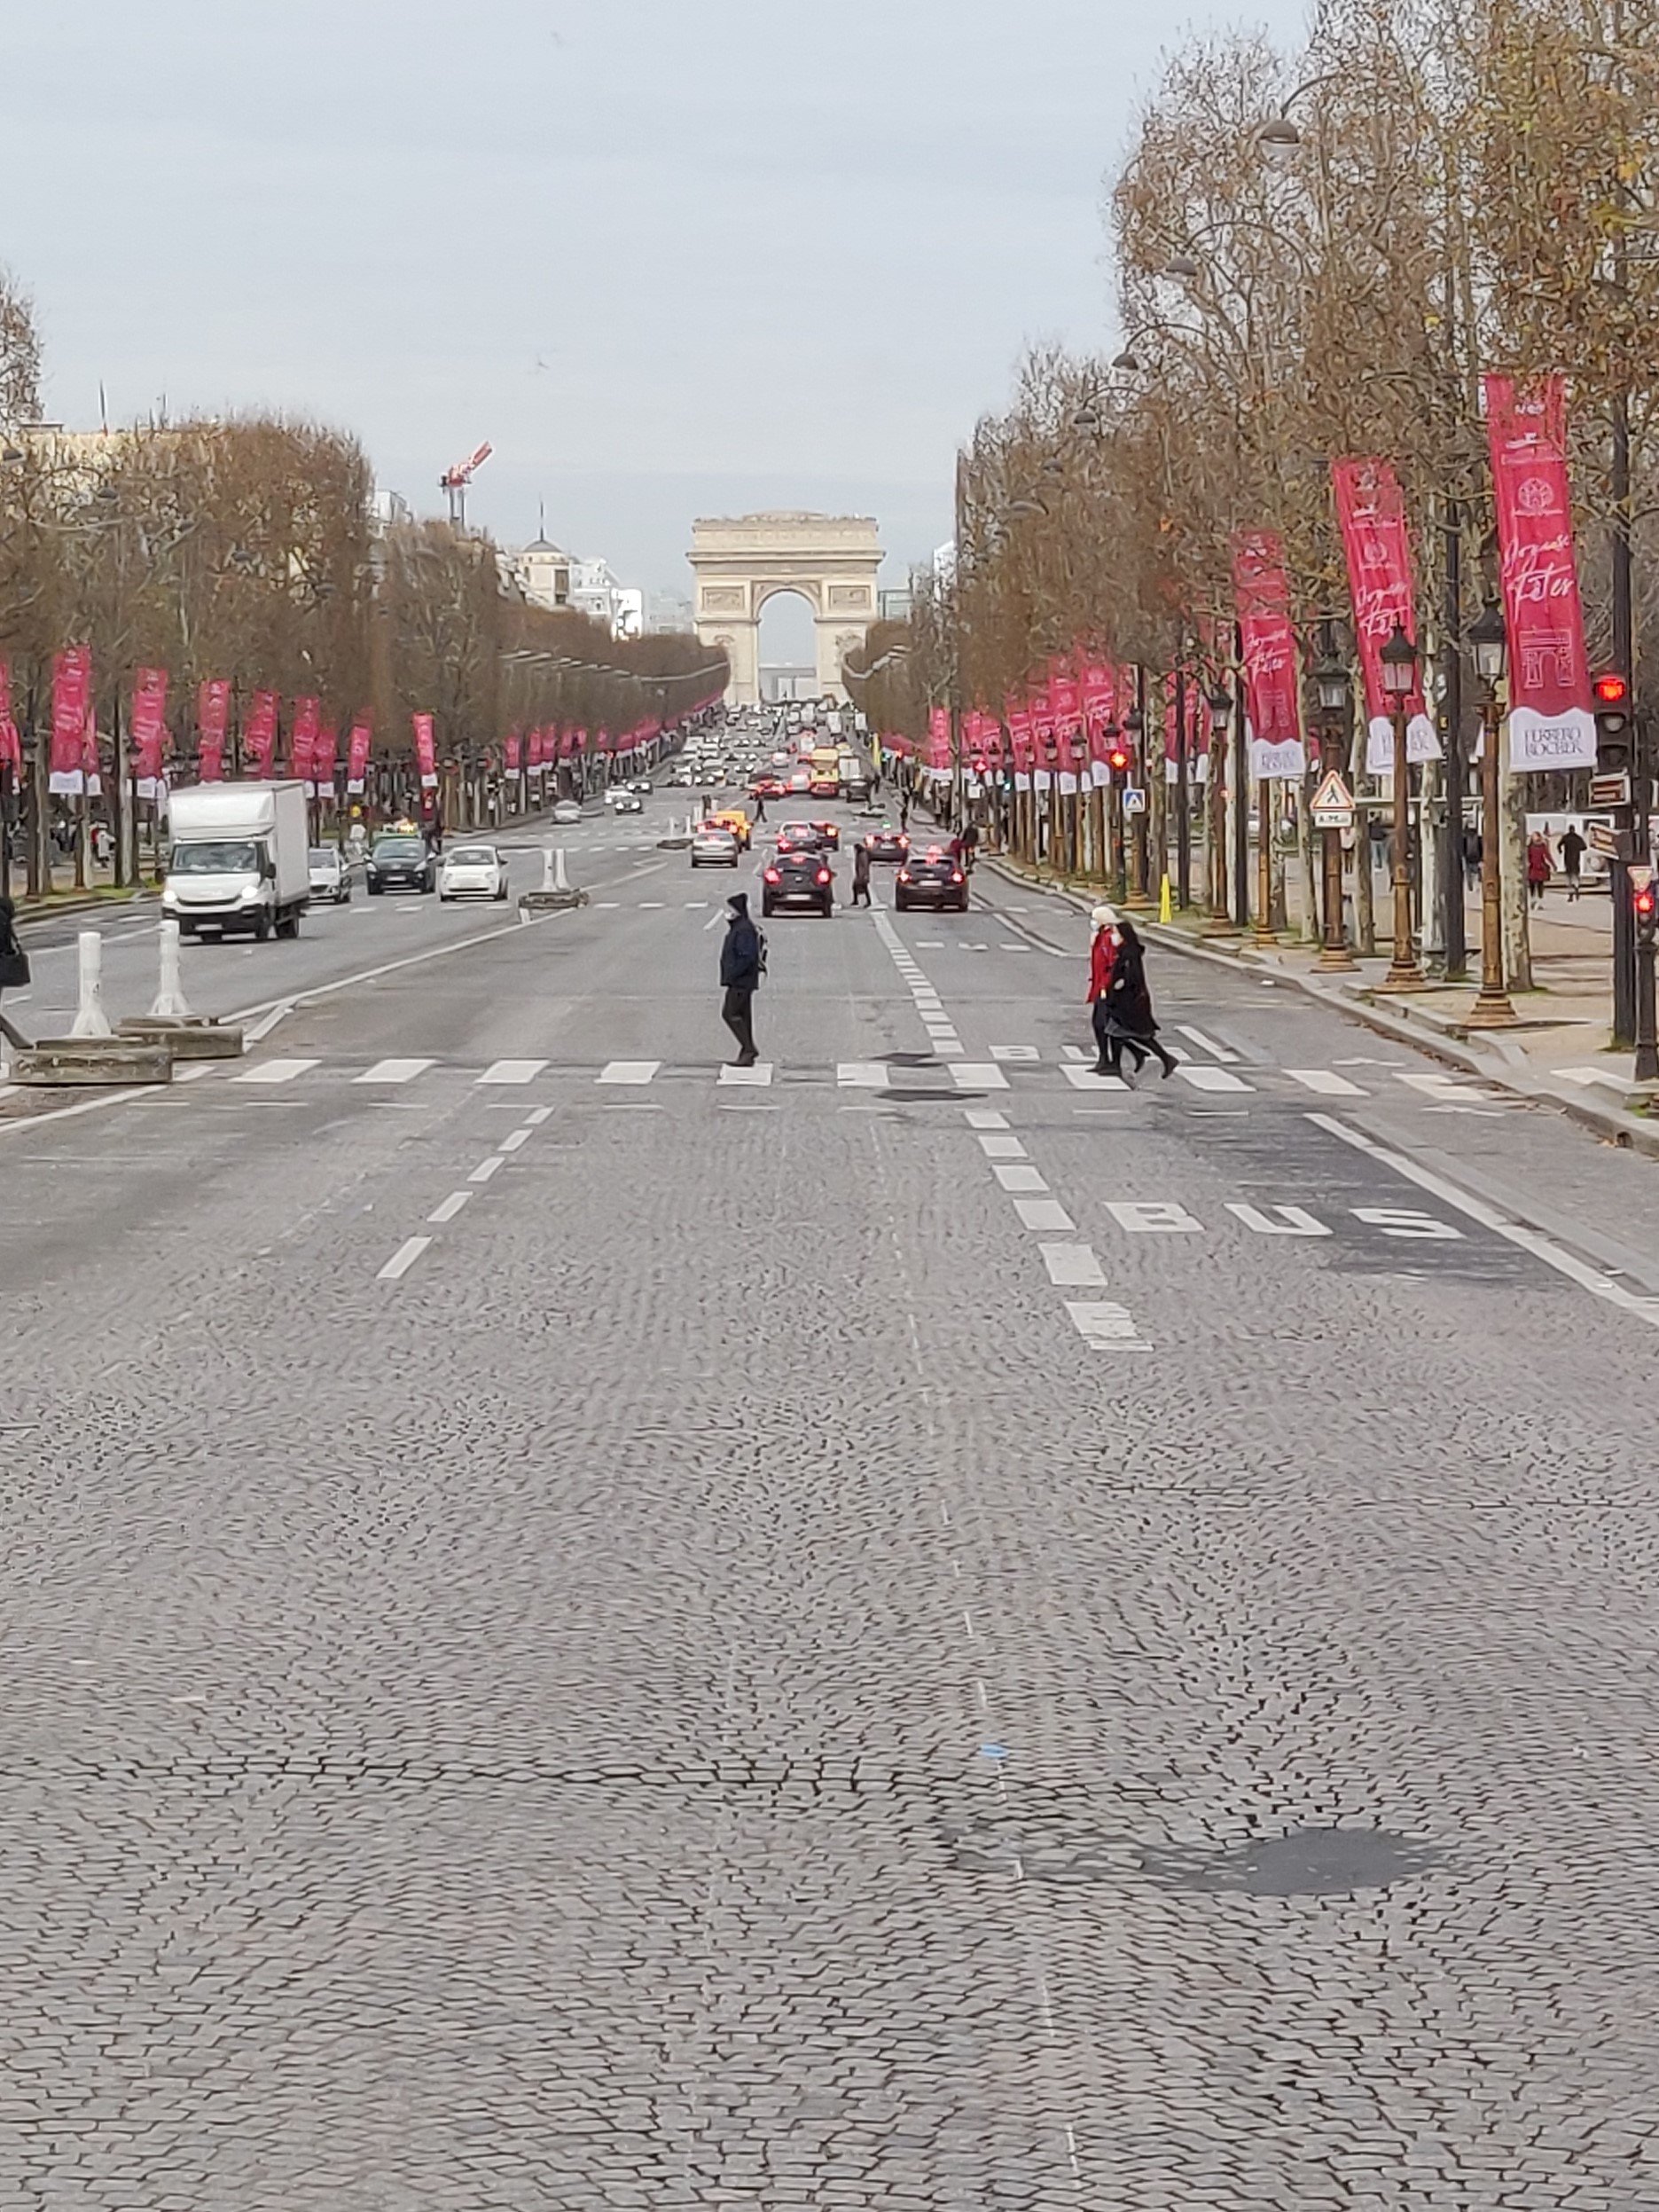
(911, 1631)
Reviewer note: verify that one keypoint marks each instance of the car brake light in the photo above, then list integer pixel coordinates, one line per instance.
(956, 876)
(903, 844)
(823, 875)
(904, 875)
(772, 876)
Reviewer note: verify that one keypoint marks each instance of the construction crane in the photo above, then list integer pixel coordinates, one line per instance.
(455, 481)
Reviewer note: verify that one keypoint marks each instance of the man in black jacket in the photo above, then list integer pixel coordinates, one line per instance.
(740, 974)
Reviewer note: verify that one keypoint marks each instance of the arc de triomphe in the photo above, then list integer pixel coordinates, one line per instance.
(741, 561)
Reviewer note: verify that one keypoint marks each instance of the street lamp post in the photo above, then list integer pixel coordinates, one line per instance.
(1398, 658)
(1489, 643)
(1219, 922)
(1336, 700)
(1136, 890)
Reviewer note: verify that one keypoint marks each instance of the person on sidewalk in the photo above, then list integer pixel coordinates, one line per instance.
(1573, 850)
(742, 964)
(14, 971)
(1130, 1026)
(1102, 959)
(1540, 866)
(1473, 855)
(861, 873)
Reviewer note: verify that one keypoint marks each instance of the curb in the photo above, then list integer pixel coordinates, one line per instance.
(1610, 1122)
(31, 914)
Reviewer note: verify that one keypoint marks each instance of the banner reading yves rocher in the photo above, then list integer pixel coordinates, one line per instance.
(358, 747)
(1371, 512)
(302, 740)
(258, 739)
(213, 719)
(1551, 724)
(71, 688)
(1262, 592)
(426, 752)
(149, 727)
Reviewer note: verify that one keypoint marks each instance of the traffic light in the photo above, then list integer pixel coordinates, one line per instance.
(1644, 907)
(1118, 755)
(1615, 736)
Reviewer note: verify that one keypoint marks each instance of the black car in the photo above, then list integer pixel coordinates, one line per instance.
(935, 880)
(798, 879)
(887, 844)
(800, 837)
(401, 863)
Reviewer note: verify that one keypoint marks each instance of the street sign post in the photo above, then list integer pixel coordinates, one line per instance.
(1333, 806)
(1613, 790)
(1612, 844)
(1134, 800)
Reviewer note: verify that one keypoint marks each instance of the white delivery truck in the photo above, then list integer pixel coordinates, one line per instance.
(240, 859)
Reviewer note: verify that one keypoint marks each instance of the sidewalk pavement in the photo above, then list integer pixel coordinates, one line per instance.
(1557, 1055)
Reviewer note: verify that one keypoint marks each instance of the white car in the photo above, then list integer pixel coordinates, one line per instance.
(625, 801)
(643, 787)
(330, 874)
(566, 811)
(472, 872)
(714, 847)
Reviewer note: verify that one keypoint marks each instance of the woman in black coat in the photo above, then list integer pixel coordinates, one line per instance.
(13, 970)
(1128, 1026)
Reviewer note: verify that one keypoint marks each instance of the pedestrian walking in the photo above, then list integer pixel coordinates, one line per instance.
(1473, 854)
(742, 964)
(1102, 959)
(970, 843)
(1573, 850)
(1130, 1026)
(861, 873)
(14, 973)
(903, 811)
(1540, 866)
(760, 807)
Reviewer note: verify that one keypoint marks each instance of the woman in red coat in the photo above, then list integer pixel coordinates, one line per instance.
(1102, 956)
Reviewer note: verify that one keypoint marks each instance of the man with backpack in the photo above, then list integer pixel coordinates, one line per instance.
(742, 964)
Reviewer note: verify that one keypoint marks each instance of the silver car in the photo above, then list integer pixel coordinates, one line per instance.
(331, 875)
(714, 847)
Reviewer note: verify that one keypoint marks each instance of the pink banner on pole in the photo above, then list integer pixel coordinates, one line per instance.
(324, 755)
(71, 696)
(426, 751)
(1370, 511)
(259, 738)
(213, 719)
(1262, 591)
(513, 750)
(149, 727)
(358, 747)
(11, 742)
(1551, 723)
(303, 740)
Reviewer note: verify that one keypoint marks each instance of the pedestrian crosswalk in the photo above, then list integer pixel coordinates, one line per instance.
(1007, 1068)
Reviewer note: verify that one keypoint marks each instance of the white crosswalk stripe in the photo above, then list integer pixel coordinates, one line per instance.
(275, 1072)
(1222, 1052)
(1073, 1267)
(629, 1071)
(979, 1075)
(1084, 1078)
(1206, 1079)
(393, 1072)
(760, 1075)
(1325, 1081)
(1105, 1325)
(862, 1075)
(513, 1071)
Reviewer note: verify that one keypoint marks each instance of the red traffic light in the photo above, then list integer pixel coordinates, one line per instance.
(1645, 902)
(1117, 760)
(1611, 690)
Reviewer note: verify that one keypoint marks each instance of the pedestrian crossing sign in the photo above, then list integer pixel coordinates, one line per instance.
(1333, 805)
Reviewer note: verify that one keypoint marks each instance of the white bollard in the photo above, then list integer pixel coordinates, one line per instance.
(561, 882)
(171, 1005)
(91, 1019)
(547, 867)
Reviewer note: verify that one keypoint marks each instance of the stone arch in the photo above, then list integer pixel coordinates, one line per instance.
(739, 562)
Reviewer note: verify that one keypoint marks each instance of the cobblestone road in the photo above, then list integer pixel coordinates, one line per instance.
(929, 1639)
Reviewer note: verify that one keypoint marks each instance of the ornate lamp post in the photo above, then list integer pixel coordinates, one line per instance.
(1335, 704)
(1399, 681)
(1137, 887)
(1489, 642)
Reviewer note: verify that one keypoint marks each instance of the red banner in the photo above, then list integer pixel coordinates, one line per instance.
(1019, 723)
(1551, 724)
(939, 738)
(149, 725)
(303, 740)
(324, 755)
(1262, 593)
(10, 744)
(213, 719)
(514, 745)
(71, 689)
(358, 747)
(426, 752)
(259, 736)
(1370, 511)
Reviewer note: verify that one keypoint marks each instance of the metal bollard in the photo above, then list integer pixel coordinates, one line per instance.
(170, 1004)
(91, 1019)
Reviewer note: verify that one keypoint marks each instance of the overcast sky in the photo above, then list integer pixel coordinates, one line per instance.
(670, 256)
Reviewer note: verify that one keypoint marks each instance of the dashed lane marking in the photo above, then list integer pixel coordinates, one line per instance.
(1105, 1326)
(485, 1169)
(450, 1206)
(1027, 1179)
(1044, 1213)
(862, 1075)
(514, 1141)
(1001, 1145)
(403, 1259)
(975, 1075)
(1015, 1052)
(1073, 1267)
